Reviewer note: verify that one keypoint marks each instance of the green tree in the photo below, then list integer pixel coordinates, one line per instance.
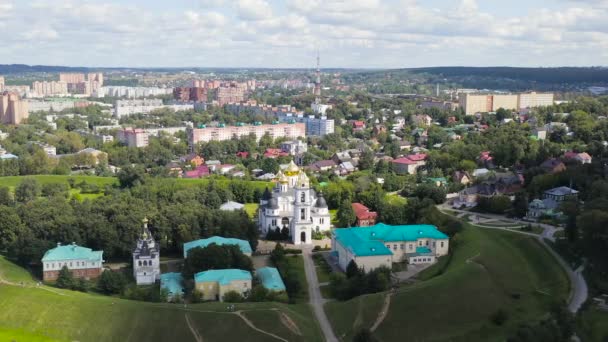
(6, 198)
(65, 280)
(131, 176)
(11, 227)
(346, 215)
(52, 189)
(111, 282)
(27, 190)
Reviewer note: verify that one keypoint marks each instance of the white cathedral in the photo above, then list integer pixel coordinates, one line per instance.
(293, 204)
(146, 258)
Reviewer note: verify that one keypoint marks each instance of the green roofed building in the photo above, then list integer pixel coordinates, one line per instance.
(214, 284)
(270, 278)
(172, 282)
(83, 262)
(381, 245)
(244, 245)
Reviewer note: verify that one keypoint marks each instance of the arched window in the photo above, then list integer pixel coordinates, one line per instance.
(139, 262)
(303, 197)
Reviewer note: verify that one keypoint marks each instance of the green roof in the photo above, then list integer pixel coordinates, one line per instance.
(244, 245)
(72, 252)
(172, 282)
(224, 277)
(369, 241)
(270, 278)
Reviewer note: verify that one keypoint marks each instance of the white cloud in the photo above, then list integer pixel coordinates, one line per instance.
(254, 9)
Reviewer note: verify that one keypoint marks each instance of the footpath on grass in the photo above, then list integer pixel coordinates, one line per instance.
(578, 285)
(316, 299)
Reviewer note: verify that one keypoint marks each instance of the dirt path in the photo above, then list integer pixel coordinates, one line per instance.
(383, 311)
(252, 326)
(289, 323)
(195, 333)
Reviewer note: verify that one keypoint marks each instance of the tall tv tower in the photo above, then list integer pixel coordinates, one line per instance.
(317, 91)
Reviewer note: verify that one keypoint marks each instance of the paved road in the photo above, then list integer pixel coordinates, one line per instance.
(316, 299)
(579, 291)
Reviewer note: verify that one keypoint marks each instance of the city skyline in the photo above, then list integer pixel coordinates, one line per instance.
(287, 34)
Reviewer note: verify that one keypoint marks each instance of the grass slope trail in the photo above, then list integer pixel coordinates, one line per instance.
(489, 271)
(30, 313)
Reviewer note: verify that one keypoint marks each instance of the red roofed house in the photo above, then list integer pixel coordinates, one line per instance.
(275, 153)
(486, 159)
(193, 159)
(553, 166)
(199, 172)
(583, 158)
(404, 165)
(364, 216)
(358, 125)
(243, 154)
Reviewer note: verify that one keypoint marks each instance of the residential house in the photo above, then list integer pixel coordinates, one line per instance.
(553, 166)
(379, 129)
(275, 153)
(461, 177)
(322, 165)
(295, 147)
(365, 217)
(199, 172)
(486, 159)
(404, 145)
(214, 284)
(242, 154)
(437, 181)
(358, 125)
(193, 159)
(422, 120)
(409, 164)
(382, 245)
(583, 158)
(232, 206)
(549, 205)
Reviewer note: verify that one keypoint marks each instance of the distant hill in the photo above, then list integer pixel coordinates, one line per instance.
(541, 75)
(7, 69)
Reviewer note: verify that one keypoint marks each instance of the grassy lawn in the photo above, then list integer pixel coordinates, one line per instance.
(322, 268)
(252, 209)
(333, 214)
(297, 263)
(489, 270)
(13, 181)
(290, 325)
(593, 325)
(49, 314)
(325, 291)
(14, 273)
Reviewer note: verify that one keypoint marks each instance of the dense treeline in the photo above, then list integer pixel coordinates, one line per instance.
(542, 75)
(30, 224)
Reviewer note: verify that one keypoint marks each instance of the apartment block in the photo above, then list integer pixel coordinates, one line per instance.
(483, 103)
(51, 88)
(223, 132)
(230, 93)
(13, 110)
(133, 137)
(196, 94)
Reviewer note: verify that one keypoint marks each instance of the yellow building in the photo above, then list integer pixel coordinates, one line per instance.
(484, 103)
(214, 284)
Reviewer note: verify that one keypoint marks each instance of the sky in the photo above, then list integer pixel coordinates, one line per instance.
(288, 33)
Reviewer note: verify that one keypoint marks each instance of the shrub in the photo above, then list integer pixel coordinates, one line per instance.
(233, 297)
(112, 282)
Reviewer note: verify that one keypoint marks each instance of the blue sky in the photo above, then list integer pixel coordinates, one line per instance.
(287, 33)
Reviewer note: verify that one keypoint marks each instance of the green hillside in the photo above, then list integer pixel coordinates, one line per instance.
(489, 271)
(33, 313)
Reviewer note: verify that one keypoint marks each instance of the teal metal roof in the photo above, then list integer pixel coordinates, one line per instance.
(224, 277)
(72, 252)
(423, 250)
(218, 240)
(368, 241)
(270, 278)
(172, 282)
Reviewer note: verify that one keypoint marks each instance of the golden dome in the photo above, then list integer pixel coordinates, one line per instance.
(282, 178)
(292, 169)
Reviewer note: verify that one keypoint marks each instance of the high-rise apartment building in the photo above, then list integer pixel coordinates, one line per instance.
(533, 99)
(71, 77)
(49, 88)
(78, 83)
(13, 110)
(196, 94)
(231, 93)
